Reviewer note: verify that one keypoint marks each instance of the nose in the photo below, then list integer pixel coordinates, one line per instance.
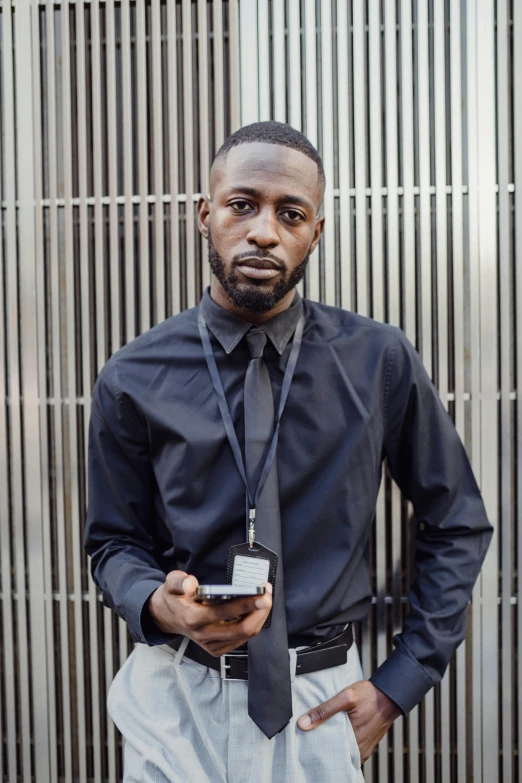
(263, 229)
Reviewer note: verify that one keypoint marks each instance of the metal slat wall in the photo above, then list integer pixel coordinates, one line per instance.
(415, 106)
(110, 111)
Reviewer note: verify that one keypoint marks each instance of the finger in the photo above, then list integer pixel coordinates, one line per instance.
(268, 589)
(218, 651)
(206, 615)
(232, 632)
(189, 586)
(314, 718)
(224, 638)
(220, 648)
(180, 583)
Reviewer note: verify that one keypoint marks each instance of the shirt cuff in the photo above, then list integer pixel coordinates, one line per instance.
(141, 625)
(402, 679)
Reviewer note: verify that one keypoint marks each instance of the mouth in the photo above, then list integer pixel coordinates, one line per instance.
(258, 268)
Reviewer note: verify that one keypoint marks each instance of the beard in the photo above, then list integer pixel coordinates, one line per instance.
(254, 297)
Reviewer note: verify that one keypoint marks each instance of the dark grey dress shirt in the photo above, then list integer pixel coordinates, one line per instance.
(165, 493)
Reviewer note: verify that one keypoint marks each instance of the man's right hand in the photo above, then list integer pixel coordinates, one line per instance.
(217, 629)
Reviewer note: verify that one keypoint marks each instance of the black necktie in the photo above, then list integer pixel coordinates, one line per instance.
(269, 686)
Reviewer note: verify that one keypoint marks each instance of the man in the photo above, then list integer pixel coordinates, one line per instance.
(182, 435)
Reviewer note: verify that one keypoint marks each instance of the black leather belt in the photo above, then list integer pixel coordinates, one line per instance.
(234, 666)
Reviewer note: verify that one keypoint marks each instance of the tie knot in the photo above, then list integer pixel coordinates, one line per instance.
(256, 341)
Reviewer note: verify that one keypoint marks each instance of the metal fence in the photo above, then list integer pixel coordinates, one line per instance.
(110, 112)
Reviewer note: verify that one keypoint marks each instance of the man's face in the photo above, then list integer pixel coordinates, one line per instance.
(261, 222)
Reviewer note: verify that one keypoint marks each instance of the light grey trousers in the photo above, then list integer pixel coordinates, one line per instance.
(183, 724)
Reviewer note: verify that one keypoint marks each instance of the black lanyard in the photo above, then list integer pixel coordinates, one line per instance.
(225, 412)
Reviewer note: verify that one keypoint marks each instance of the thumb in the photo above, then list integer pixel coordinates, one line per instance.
(313, 718)
(180, 583)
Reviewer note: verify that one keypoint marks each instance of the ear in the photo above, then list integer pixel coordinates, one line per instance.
(318, 231)
(203, 209)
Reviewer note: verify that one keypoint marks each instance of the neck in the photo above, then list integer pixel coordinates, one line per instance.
(220, 296)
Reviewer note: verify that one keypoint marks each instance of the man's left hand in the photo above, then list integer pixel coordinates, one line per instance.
(371, 713)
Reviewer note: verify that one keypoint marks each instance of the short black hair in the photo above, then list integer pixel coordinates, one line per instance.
(272, 132)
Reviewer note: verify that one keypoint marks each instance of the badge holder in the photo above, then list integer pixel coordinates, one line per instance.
(250, 564)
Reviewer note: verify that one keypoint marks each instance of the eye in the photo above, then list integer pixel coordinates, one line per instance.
(292, 215)
(240, 206)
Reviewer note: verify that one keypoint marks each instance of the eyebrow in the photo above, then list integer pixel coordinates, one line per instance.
(303, 202)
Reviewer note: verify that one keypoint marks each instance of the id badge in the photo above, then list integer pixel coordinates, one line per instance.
(250, 566)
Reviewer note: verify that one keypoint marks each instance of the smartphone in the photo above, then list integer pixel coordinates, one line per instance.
(218, 594)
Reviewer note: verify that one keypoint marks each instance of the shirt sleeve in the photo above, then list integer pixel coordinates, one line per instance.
(427, 460)
(121, 487)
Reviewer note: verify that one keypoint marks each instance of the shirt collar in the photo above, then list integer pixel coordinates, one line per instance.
(229, 329)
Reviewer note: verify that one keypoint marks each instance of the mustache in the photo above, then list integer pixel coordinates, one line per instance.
(262, 254)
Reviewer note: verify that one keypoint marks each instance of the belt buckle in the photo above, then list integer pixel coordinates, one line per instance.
(224, 666)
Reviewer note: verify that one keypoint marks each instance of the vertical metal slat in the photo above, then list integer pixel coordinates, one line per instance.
(408, 204)
(46, 761)
(204, 153)
(189, 150)
(173, 158)
(7, 342)
(85, 332)
(157, 136)
(54, 263)
(474, 348)
(128, 210)
(408, 320)
(361, 233)
(423, 92)
(393, 301)
(70, 343)
(517, 137)
(328, 239)
(439, 102)
(218, 65)
(392, 166)
(310, 36)
(234, 63)
(343, 102)
(313, 276)
(101, 294)
(487, 230)
(279, 87)
(4, 458)
(376, 288)
(424, 281)
(263, 59)
(457, 246)
(143, 172)
(505, 251)
(112, 169)
(101, 341)
(294, 55)
(375, 134)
